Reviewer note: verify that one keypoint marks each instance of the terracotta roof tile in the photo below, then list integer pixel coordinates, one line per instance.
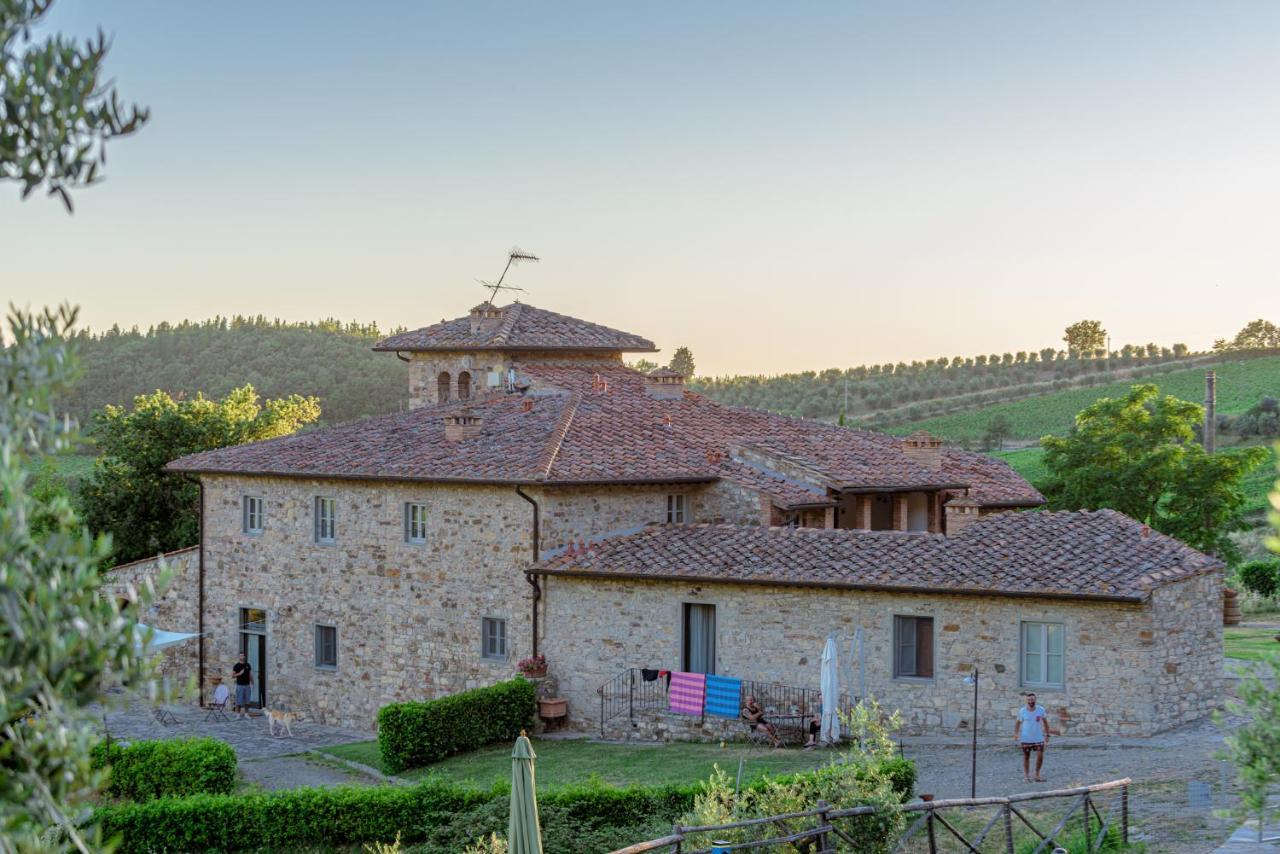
(595, 422)
(1102, 554)
(523, 327)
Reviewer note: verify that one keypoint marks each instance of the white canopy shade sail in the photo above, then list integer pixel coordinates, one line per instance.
(160, 639)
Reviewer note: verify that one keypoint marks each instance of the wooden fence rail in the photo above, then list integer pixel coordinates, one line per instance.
(823, 831)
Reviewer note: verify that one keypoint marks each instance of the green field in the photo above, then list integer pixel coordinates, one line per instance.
(1241, 383)
(572, 761)
(1246, 644)
(1029, 462)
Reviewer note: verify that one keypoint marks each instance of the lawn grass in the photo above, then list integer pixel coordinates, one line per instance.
(1241, 384)
(572, 761)
(1246, 644)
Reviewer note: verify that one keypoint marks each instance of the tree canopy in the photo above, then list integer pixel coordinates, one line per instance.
(1085, 336)
(59, 636)
(1256, 335)
(130, 495)
(1138, 454)
(56, 114)
(682, 361)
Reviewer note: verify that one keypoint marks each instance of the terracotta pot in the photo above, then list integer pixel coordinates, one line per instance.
(556, 707)
(926, 798)
(535, 673)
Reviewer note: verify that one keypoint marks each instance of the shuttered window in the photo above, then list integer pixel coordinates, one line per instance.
(326, 519)
(252, 514)
(677, 513)
(1043, 655)
(327, 647)
(493, 638)
(415, 523)
(913, 647)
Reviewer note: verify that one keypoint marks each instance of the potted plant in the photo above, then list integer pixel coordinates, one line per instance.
(534, 668)
(552, 708)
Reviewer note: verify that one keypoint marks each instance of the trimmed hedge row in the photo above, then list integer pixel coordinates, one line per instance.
(443, 816)
(418, 733)
(174, 767)
(440, 816)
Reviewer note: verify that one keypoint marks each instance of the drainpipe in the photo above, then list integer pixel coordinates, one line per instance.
(200, 596)
(529, 576)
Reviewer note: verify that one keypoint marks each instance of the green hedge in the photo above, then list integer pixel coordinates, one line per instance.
(418, 733)
(438, 816)
(154, 769)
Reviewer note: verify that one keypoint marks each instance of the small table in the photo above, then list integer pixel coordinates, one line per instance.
(788, 724)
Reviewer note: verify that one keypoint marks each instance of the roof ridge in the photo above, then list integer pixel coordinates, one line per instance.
(510, 315)
(552, 450)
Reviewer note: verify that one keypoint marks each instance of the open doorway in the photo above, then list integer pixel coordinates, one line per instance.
(253, 643)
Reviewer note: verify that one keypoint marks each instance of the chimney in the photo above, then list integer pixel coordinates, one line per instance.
(664, 384)
(923, 450)
(464, 424)
(486, 317)
(1210, 414)
(960, 514)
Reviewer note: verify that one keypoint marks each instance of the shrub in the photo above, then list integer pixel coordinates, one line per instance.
(1260, 576)
(418, 733)
(156, 769)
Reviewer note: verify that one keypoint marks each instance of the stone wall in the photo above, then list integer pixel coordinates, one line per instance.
(408, 616)
(596, 629)
(174, 611)
(1186, 650)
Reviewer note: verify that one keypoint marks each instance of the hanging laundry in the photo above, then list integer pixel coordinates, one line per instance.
(687, 692)
(724, 694)
(649, 675)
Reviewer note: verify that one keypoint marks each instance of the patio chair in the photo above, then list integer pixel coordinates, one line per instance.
(217, 708)
(163, 716)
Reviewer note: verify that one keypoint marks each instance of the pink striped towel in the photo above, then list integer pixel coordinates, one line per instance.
(687, 692)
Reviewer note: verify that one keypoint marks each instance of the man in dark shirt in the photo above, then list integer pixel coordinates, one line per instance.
(243, 674)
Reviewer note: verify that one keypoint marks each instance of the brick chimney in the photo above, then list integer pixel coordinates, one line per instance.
(664, 384)
(923, 450)
(464, 424)
(960, 514)
(485, 317)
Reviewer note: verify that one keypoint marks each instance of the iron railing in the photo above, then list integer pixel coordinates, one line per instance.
(629, 693)
(825, 831)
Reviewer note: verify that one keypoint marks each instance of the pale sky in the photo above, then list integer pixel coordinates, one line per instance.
(777, 186)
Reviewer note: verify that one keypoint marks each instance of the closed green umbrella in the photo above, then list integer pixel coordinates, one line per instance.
(524, 836)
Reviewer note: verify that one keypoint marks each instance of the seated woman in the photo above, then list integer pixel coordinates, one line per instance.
(754, 716)
(815, 727)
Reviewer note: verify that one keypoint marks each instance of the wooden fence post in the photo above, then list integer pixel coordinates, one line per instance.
(1008, 828)
(933, 842)
(822, 822)
(1088, 825)
(1124, 814)
(675, 831)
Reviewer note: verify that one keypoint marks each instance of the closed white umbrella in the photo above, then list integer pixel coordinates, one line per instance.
(830, 693)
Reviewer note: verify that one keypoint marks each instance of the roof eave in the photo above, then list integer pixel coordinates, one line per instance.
(513, 481)
(926, 487)
(378, 348)
(1131, 599)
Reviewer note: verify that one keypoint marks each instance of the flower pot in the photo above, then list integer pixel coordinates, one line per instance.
(535, 672)
(926, 798)
(556, 707)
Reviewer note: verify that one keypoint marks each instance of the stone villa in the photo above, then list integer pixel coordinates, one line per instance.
(541, 496)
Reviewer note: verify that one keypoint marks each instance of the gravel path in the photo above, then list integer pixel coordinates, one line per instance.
(292, 772)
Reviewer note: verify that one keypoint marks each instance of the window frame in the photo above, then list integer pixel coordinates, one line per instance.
(899, 620)
(677, 508)
(246, 501)
(501, 624)
(409, 507)
(1044, 654)
(318, 628)
(317, 506)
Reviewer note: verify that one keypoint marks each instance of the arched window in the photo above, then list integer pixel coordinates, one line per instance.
(442, 387)
(464, 385)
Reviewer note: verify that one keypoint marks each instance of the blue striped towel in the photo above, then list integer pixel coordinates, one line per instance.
(723, 696)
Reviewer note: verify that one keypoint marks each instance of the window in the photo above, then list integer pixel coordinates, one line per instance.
(252, 515)
(676, 513)
(326, 512)
(415, 523)
(493, 638)
(1042, 654)
(327, 647)
(913, 647)
(442, 387)
(699, 638)
(464, 385)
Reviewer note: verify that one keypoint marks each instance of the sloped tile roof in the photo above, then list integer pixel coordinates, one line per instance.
(523, 327)
(594, 422)
(1087, 555)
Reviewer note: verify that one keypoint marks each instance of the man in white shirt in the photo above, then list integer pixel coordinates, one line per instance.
(1032, 732)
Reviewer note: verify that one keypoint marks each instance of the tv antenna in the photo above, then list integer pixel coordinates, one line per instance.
(515, 256)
